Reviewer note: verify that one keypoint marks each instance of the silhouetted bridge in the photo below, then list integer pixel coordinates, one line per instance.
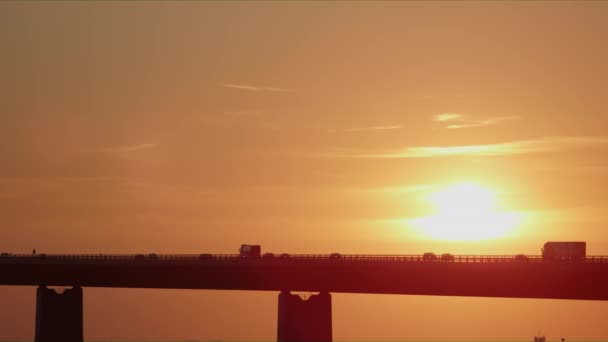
(59, 316)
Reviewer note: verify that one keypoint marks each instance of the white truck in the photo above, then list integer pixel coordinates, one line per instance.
(564, 251)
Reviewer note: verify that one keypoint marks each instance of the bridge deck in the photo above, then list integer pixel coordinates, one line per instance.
(292, 258)
(486, 276)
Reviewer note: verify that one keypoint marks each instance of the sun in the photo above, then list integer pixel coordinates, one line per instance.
(465, 212)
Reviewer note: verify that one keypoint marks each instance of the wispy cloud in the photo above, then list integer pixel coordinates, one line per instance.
(481, 123)
(121, 150)
(19, 187)
(373, 128)
(366, 129)
(453, 98)
(457, 120)
(248, 87)
(403, 189)
(242, 113)
(447, 117)
(545, 144)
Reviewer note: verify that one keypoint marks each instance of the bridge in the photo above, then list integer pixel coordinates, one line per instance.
(59, 315)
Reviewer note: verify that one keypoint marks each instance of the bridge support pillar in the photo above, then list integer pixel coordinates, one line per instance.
(59, 315)
(304, 320)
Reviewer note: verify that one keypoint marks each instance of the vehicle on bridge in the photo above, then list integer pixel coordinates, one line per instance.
(564, 251)
(429, 257)
(250, 251)
(284, 256)
(447, 257)
(143, 257)
(335, 256)
(205, 256)
(268, 256)
(521, 258)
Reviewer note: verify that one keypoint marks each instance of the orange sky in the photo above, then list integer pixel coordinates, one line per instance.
(307, 128)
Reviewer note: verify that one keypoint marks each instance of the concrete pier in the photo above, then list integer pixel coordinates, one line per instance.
(59, 315)
(304, 320)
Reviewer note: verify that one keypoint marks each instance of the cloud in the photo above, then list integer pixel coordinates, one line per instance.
(243, 113)
(122, 150)
(447, 117)
(427, 97)
(455, 98)
(373, 128)
(366, 129)
(482, 123)
(18, 187)
(404, 189)
(458, 120)
(518, 147)
(255, 88)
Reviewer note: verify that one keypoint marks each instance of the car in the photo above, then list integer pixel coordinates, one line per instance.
(268, 256)
(429, 257)
(139, 257)
(5, 255)
(335, 256)
(447, 257)
(284, 256)
(205, 256)
(152, 256)
(521, 258)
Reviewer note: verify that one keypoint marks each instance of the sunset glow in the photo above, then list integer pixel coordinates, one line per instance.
(378, 128)
(465, 211)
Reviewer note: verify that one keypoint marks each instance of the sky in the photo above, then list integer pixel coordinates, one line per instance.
(306, 127)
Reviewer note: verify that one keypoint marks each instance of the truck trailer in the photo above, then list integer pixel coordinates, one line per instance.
(250, 251)
(564, 251)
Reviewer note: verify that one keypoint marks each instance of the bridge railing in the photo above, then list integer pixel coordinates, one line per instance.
(280, 258)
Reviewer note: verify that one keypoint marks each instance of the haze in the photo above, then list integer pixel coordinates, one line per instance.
(307, 128)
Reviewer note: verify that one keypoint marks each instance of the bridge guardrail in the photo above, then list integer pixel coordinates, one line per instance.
(210, 258)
